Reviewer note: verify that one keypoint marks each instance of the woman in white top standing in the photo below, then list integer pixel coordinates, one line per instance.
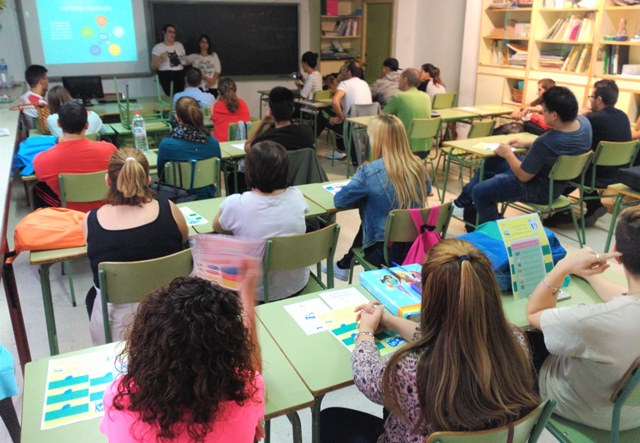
(313, 79)
(430, 81)
(167, 58)
(208, 63)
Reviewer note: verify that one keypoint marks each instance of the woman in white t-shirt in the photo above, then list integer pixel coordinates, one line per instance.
(313, 79)
(430, 81)
(56, 97)
(208, 63)
(269, 209)
(167, 58)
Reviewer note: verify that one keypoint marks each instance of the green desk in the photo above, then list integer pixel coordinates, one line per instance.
(316, 193)
(312, 108)
(146, 105)
(488, 110)
(285, 393)
(454, 114)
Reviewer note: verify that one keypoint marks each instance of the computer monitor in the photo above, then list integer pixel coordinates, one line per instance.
(85, 87)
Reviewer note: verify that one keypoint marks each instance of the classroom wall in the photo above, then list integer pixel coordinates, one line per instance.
(10, 41)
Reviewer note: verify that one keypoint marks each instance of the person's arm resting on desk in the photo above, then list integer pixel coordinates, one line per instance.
(584, 263)
(505, 150)
(353, 193)
(336, 101)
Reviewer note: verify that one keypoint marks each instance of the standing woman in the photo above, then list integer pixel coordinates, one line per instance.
(227, 109)
(394, 179)
(208, 63)
(313, 79)
(430, 81)
(131, 226)
(465, 368)
(167, 58)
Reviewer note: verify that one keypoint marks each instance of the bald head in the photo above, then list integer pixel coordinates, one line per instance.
(410, 78)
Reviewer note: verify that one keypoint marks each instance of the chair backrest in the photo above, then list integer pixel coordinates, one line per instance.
(481, 128)
(421, 133)
(442, 101)
(362, 110)
(233, 129)
(525, 430)
(566, 168)
(82, 188)
(124, 107)
(627, 393)
(324, 95)
(616, 153)
(400, 226)
(304, 168)
(130, 282)
(290, 252)
(193, 174)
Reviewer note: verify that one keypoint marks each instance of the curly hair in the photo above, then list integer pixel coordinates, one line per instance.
(188, 350)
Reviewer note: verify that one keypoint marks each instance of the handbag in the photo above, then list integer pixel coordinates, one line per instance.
(164, 191)
(427, 235)
(49, 228)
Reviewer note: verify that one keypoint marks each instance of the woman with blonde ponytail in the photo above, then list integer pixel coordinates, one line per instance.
(132, 226)
(465, 368)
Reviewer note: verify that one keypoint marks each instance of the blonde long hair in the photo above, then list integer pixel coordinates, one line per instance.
(471, 370)
(405, 171)
(128, 173)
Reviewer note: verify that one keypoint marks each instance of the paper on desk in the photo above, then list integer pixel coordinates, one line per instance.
(192, 217)
(75, 386)
(334, 188)
(238, 146)
(470, 109)
(307, 313)
(489, 146)
(4, 132)
(343, 298)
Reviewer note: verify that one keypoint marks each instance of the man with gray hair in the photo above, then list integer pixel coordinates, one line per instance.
(410, 103)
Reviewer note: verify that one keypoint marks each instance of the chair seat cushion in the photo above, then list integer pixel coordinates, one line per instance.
(567, 430)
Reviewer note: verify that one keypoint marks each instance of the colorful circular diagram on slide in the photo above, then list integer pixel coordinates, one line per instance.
(104, 37)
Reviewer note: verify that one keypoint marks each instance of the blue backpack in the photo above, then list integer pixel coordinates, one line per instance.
(28, 150)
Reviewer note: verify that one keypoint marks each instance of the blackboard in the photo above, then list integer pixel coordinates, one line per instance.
(250, 38)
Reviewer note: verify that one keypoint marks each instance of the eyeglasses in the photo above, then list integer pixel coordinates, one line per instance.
(591, 97)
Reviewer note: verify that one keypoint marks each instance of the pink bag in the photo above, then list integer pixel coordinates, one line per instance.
(427, 235)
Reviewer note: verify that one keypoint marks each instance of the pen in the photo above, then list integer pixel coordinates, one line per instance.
(398, 266)
(393, 273)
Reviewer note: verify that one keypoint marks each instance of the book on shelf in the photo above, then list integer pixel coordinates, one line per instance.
(615, 56)
(572, 28)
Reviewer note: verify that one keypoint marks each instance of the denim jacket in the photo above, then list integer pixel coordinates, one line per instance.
(373, 195)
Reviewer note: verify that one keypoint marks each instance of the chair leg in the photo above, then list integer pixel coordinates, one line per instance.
(10, 419)
(296, 427)
(352, 265)
(447, 166)
(575, 225)
(66, 269)
(614, 218)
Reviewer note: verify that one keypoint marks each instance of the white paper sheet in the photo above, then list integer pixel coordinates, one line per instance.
(343, 298)
(307, 314)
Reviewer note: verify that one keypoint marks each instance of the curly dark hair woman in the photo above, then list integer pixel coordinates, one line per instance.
(190, 362)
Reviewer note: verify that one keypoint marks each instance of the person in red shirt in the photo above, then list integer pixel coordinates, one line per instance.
(38, 80)
(229, 108)
(73, 154)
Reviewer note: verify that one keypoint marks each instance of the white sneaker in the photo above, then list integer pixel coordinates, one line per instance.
(339, 273)
(457, 210)
(336, 155)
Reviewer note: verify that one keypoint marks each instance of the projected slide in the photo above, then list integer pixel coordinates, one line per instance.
(87, 31)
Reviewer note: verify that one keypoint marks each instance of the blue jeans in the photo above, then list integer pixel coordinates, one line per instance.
(499, 185)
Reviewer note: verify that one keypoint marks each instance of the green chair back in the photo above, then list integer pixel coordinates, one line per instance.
(421, 133)
(193, 174)
(525, 430)
(323, 96)
(131, 282)
(442, 101)
(568, 167)
(153, 122)
(82, 188)
(481, 128)
(233, 129)
(290, 252)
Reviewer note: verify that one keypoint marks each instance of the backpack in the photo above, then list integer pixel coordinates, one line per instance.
(49, 228)
(427, 235)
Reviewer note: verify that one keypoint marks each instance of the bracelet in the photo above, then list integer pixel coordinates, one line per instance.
(554, 290)
(367, 333)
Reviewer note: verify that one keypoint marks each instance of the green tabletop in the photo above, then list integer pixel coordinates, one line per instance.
(145, 105)
(471, 145)
(320, 196)
(361, 121)
(229, 152)
(284, 393)
(55, 255)
(454, 114)
(488, 110)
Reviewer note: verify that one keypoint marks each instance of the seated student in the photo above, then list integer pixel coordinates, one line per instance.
(283, 131)
(227, 109)
(131, 226)
(269, 209)
(387, 85)
(192, 372)
(58, 96)
(394, 179)
(465, 367)
(38, 81)
(73, 154)
(313, 80)
(529, 117)
(189, 140)
(509, 177)
(194, 79)
(590, 346)
(430, 81)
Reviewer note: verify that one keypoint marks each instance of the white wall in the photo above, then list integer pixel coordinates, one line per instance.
(10, 41)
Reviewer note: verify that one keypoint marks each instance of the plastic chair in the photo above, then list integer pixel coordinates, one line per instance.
(442, 101)
(625, 394)
(612, 154)
(527, 429)
(251, 127)
(304, 168)
(131, 282)
(291, 252)
(323, 96)
(80, 188)
(193, 174)
(358, 133)
(565, 168)
(422, 132)
(400, 228)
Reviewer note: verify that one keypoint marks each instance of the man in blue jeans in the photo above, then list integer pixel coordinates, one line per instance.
(509, 177)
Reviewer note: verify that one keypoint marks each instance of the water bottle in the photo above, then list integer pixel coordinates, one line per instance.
(4, 73)
(139, 133)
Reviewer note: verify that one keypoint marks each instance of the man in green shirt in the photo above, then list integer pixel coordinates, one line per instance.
(410, 103)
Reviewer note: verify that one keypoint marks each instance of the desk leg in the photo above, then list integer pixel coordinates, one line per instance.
(15, 313)
(348, 134)
(294, 419)
(48, 309)
(267, 431)
(315, 419)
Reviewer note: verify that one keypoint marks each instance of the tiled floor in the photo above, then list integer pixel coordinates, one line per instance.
(73, 325)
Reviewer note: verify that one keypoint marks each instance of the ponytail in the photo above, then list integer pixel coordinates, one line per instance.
(129, 178)
(227, 89)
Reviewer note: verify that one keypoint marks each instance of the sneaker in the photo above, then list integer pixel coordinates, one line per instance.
(458, 211)
(336, 155)
(590, 218)
(339, 273)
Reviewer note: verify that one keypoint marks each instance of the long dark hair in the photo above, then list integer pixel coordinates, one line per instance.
(227, 89)
(434, 73)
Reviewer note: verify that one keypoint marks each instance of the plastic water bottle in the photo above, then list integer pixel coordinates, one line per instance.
(4, 73)
(139, 133)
